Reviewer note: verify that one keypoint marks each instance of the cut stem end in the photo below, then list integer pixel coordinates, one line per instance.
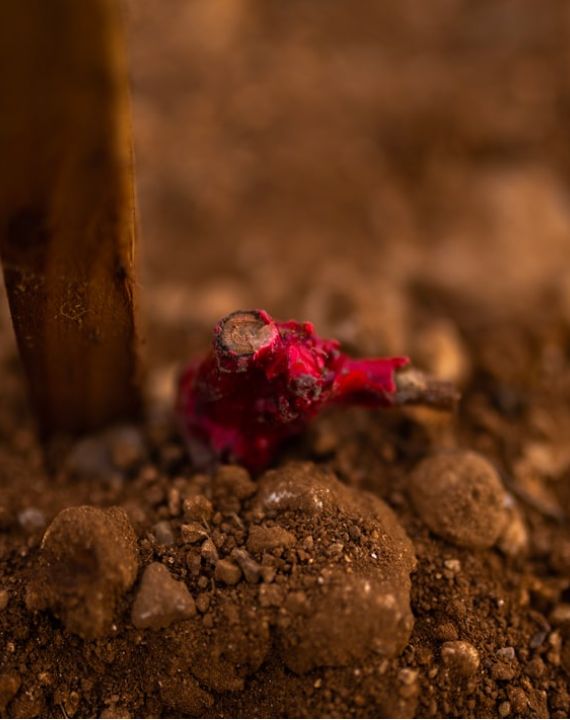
(414, 387)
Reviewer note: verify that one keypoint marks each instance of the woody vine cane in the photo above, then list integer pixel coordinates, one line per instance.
(67, 226)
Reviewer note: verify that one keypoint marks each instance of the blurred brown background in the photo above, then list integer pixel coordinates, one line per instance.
(324, 159)
(317, 157)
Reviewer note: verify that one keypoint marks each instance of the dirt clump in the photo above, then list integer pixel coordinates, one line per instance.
(364, 566)
(198, 508)
(88, 560)
(227, 572)
(460, 497)
(184, 695)
(231, 485)
(268, 538)
(460, 657)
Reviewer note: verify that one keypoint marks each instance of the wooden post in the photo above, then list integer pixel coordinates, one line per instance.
(67, 225)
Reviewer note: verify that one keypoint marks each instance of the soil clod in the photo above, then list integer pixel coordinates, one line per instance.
(460, 497)
(227, 572)
(460, 657)
(88, 560)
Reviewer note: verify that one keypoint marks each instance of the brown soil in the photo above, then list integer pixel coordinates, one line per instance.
(400, 176)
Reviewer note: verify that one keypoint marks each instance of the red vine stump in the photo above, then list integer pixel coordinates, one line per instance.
(67, 224)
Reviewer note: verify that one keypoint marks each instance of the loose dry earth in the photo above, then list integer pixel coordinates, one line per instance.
(399, 176)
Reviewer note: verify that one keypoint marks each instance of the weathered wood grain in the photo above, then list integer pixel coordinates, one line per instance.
(67, 222)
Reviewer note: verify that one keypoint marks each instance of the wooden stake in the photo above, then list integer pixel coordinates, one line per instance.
(67, 225)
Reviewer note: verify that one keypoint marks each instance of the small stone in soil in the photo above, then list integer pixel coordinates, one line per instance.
(31, 520)
(407, 676)
(453, 566)
(514, 539)
(461, 657)
(507, 653)
(162, 531)
(161, 600)
(202, 602)
(126, 446)
(460, 497)
(90, 459)
(440, 350)
(209, 552)
(194, 563)
(505, 709)
(560, 614)
(174, 502)
(250, 568)
(537, 639)
(197, 508)
(227, 572)
(193, 532)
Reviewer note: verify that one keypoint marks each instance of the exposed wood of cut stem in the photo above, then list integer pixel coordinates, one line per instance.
(67, 226)
(413, 387)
